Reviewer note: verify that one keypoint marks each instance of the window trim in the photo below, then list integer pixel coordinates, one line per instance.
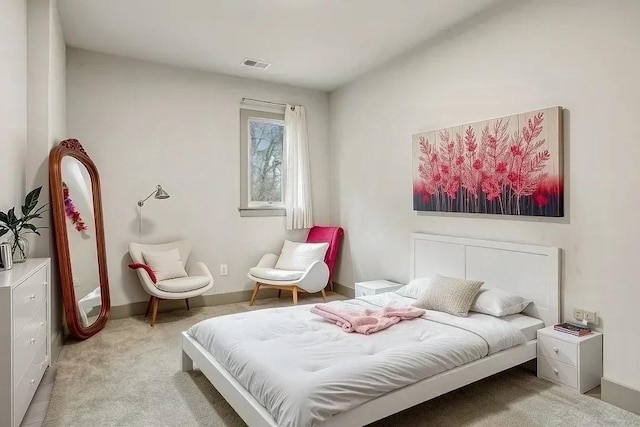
(246, 208)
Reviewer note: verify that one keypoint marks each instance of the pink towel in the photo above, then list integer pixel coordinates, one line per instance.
(366, 321)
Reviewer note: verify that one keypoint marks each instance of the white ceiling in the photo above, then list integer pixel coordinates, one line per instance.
(319, 44)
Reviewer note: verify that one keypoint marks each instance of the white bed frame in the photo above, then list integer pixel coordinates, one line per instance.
(529, 271)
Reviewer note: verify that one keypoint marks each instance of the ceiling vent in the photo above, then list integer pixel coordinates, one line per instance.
(254, 63)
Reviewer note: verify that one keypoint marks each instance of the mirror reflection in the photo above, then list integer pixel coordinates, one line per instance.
(81, 236)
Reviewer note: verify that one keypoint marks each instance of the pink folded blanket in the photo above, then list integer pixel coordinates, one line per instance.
(366, 321)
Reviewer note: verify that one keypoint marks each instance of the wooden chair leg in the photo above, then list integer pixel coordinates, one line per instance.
(186, 300)
(146, 312)
(324, 296)
(295, 295)
(154, 310)
(255, 293)
(279, 292)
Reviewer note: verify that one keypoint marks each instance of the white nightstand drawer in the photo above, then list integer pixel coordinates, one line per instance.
(559, 350)
(555, 370)
(362, 291)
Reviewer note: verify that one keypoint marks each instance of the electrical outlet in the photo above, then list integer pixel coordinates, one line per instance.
(578, 314)
(591, 317)
(223, 270)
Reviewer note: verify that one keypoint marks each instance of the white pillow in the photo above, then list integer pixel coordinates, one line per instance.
(414, 288)
(498, 303)
(299, 256)
(165, 264)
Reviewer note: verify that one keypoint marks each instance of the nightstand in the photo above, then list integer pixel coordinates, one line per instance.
(374, 287)
(570, 360)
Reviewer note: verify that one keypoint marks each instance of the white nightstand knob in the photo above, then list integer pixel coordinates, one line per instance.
(555, 371)
(555, 349)
(32, 382)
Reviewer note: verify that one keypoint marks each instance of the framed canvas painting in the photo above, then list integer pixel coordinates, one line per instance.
(508, 166)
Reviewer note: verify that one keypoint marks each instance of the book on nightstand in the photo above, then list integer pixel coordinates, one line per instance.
(570, 328)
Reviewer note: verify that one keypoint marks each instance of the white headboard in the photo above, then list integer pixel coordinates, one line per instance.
(526, 270)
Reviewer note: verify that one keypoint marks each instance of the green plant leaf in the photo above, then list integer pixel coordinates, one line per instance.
(31, 200)
(3, 217)
(30, 217)
(11, 217)
(3, 231)
(31, 227)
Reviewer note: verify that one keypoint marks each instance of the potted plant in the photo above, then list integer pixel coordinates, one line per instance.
(21, 226)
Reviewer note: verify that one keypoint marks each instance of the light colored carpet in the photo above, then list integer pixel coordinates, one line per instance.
(129, 375)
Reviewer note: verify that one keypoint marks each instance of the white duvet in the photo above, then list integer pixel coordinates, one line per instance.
(304, 370)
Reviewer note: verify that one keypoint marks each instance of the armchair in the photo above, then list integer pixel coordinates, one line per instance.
(314, 277)
(197, 283)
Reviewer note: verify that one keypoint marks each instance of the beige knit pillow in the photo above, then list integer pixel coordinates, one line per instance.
(450, 295)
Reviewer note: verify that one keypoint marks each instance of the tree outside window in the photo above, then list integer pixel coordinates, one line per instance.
(266, 161)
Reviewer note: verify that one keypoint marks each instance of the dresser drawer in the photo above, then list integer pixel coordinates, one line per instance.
(27, 343)
(555, 370)
(26, 387)
(559, 350)
(27, 298)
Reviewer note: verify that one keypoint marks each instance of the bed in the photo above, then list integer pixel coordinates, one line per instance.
(291, 368)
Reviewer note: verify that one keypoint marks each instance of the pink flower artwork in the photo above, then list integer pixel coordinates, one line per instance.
(510, 165)
(71, 211)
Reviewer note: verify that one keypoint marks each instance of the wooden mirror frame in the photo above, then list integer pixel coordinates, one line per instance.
(73, 148)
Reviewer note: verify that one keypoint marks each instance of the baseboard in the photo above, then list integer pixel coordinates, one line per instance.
(56, 346)
(344, 290)
(620, 395)
(138, 308)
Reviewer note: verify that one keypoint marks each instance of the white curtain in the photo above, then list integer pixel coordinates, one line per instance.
(298, 173)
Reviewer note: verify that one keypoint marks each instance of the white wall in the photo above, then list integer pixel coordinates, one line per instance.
(145, 124)
(46, 101)
(13, 101)
(46, 75)
(517, 57)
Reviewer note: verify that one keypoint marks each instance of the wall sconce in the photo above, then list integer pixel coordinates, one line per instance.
(158, 193)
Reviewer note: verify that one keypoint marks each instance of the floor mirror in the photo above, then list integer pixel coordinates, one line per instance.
(79, 235)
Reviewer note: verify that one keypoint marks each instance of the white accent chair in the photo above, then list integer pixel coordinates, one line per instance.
(197, 283)
(313, 279)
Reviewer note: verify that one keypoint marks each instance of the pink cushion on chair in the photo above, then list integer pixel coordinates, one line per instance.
(332, 235)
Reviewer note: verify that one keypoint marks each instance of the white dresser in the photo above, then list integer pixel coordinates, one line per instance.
(25, 335)
(566, 359)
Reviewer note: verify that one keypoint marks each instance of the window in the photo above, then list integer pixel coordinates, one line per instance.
(262, 163)
(265, 161)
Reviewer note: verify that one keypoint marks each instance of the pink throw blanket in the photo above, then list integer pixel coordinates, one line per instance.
(366, 321)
